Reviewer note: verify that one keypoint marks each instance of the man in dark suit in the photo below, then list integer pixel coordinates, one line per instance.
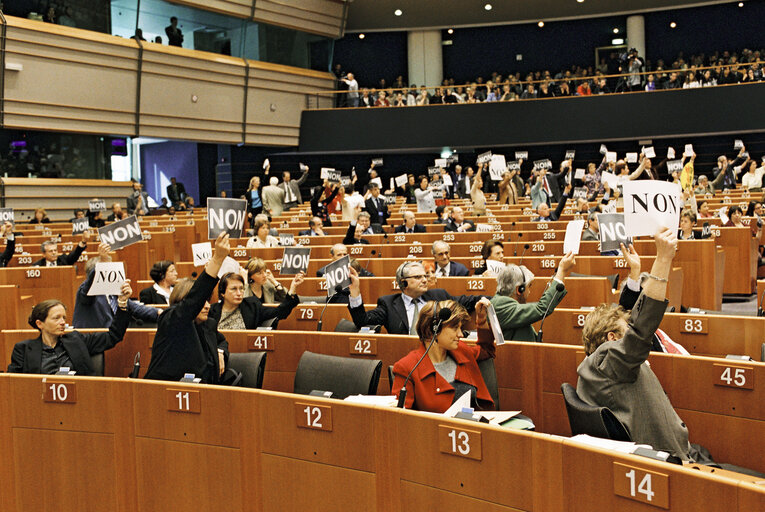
(51, 257)
(55, 348)
(445, 267)
(547, 215)
(376, 207)
(410, 224)
(316, 228)
(174, 34)
(117, 213)
(138, 200)
(457, 221)
(398, 313)
(97, 311)
(176, 193)
(353, 235)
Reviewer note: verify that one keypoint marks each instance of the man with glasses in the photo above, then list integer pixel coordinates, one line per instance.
(398, 312)
(444, 266)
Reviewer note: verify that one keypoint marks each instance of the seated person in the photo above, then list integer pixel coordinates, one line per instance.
(55, 347)
(398, 312)
(117, 213)
(443, 213)
(451, 368)
(95, 219)
(79, 213)
(735, 215)
(410, 224)
(97, 311)
(458, 223)
(592, 233)
(233, 311)
(547, 215)
(262, 238)
(164, 275)
(704, 186)
(262, 283)
(355, 232)
(516, 316)
(338, 251)
(40, 217)
(492, 250)
(315, 228)
(445, 267)
(615, 374)
(10, 243)
(687, 223)
(187, 341)
(51, 257)
(704, 212)
(365, 221)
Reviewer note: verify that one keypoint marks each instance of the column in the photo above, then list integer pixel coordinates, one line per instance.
(425, 58)
(636, 34)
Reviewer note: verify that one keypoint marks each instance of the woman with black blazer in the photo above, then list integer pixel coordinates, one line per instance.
(164, 275)
(55, 348)
(235, 312)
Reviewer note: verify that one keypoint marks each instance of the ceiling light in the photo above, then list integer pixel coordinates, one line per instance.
(741, 4)
(616, 31)
(617, 42)
(672, 25)
(541, 24)
(398, 12)
(361, 36)
(450, 31)
(579, 1)
(487, 7)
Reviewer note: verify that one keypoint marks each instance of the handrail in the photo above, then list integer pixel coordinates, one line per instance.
(590, 78)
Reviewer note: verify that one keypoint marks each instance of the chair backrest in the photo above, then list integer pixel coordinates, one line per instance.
(489, 374)
(592, 420)
(97, 361)
(390, 377)
(345, 325)
(251, 365)
(762, 353)
(343, 376)
(271, 322)
(613, 279)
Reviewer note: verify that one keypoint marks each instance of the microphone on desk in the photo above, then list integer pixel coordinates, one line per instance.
(515, 247)
(443, 316)
(558, 288)
(525, 246)
(338, 289)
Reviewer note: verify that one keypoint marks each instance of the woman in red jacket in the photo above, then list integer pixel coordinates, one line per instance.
(451, 366)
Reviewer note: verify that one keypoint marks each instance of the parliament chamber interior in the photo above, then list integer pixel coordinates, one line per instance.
(387, 255)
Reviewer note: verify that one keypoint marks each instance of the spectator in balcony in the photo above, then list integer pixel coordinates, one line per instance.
(584, 89)
(138, 36)
(438, 97)
(690, 81)
(366, 100)
(650, 84)
(40, 217)
(564, 89)
(50, 15)
(601, 86)
(507, 93)
(67, 18)
(529, 93)
(117, 213)
(674, 81)
(174, 34)
(51, 257)
(176, 192)
(6, 230)
(399, 100)
(353, 90)
(708, 79)
(423, 98)
(382, 100)
(635, 65)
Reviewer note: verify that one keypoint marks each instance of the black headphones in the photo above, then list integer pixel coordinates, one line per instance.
(434, 321)
(402, 282)
(522, 287)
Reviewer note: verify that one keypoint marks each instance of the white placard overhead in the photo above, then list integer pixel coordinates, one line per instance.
(610, 178)
(108, 278)
(738, 144)
(441, 162)
(649, 152)
(484, 228)
(631, 158)
(401, 180)
(497, 167)
(651, 205)
(603, 149)
(688, 150)
(202, 253)
(579, 174)
(670, 153)
(266, 163)
(573, 236)
(611, 156)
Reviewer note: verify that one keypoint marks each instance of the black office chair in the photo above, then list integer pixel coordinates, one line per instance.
(345, 325)
(390, 377)
(489, 375)
(343, 376)
(613, 279)
(97, 362)
(592, 420)
(251, 365)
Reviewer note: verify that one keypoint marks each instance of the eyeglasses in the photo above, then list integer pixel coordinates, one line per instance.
(421, 276)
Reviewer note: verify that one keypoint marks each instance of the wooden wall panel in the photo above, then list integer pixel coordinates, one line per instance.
(71, 80)
(191, 95)
(324, 17)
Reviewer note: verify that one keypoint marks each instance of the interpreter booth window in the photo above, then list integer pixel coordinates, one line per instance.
(33, 154)
(279, 45)
(85, 14)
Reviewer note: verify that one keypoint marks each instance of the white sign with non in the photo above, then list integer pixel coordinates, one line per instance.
(497, 167)
(202, 253)
(651, 205)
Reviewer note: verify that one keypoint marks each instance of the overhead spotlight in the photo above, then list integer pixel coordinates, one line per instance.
(579, 1)
(487, 7)
(741, 4)
(362, 36)
(398, 12)
(616, 31)
(618, 41)
(672, 25)
(541, 24)
(450, 31)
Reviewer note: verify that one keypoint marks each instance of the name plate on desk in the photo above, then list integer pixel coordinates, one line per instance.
(641, 485)
(459, 442)
(739, 377)
(316, 417)
(260, 342)
(307, 313)
(579, 319)
(695, 325)
(59, 392)
(363, 346)
(183, 400)
(475, 284)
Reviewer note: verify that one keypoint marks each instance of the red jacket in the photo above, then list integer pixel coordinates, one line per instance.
(427, 390)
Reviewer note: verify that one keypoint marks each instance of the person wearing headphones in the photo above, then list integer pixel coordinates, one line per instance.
(164, 275)
(451, 368)
(515, 315)
(398, 312)
(233, 311)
